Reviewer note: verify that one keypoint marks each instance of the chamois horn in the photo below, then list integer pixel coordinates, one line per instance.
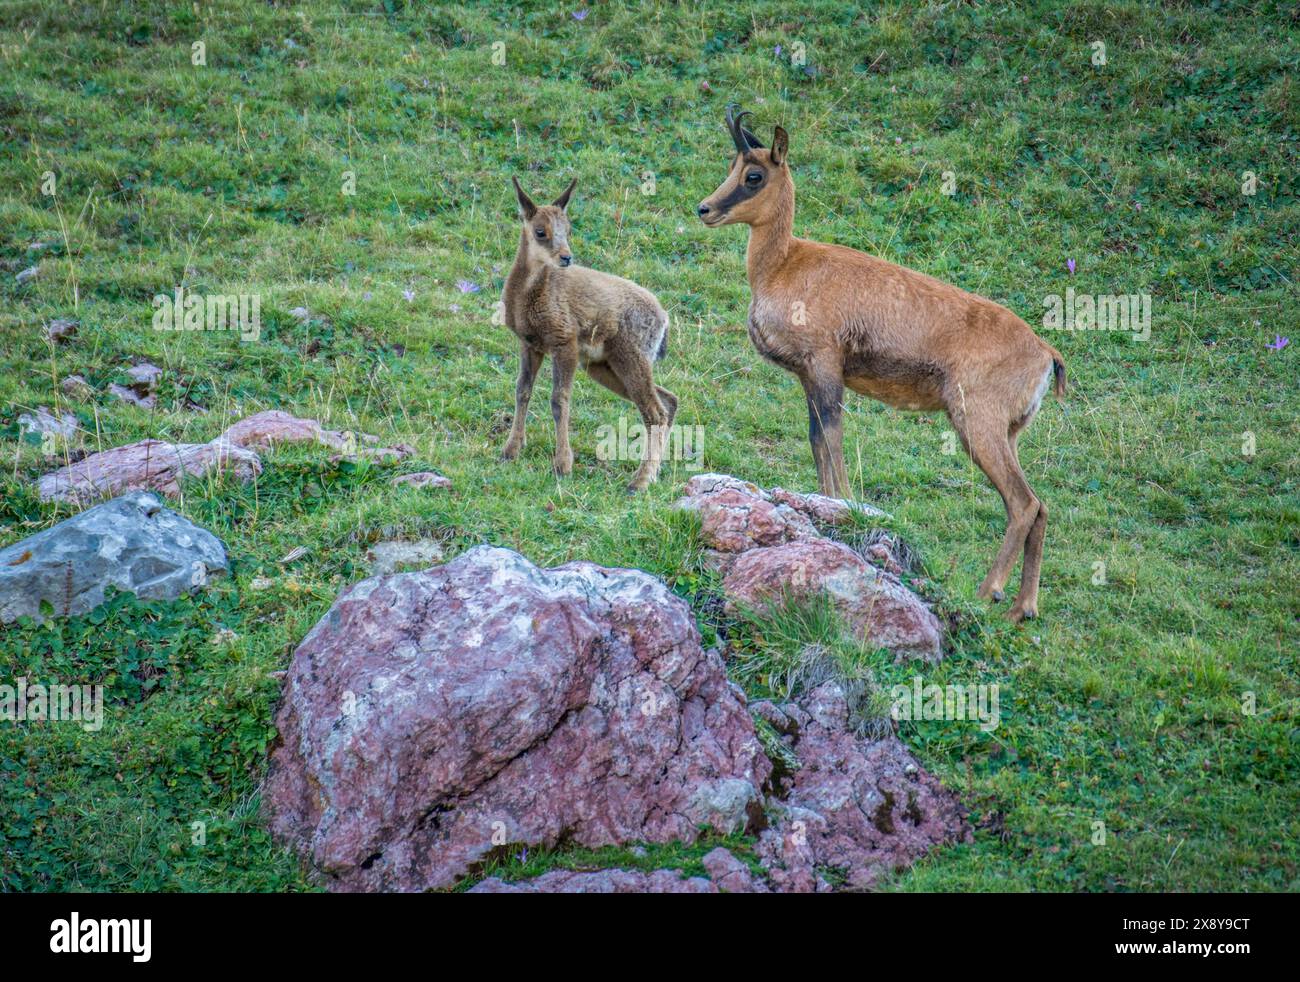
(744, 140)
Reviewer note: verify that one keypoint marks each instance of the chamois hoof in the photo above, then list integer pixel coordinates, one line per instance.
(563, 468)
(998, 596)
(1017, 614)
(507, 455)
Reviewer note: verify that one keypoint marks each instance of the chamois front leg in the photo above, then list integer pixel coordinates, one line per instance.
(564, 365)
(826, 431)
(529, 361)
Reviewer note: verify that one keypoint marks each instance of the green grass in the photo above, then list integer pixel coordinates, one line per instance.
(1122, 705)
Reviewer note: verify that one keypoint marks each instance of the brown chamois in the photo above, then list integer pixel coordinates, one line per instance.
(613, 328)
(837, 317)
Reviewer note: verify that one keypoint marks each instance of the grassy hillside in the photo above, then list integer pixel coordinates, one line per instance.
(1122, 705)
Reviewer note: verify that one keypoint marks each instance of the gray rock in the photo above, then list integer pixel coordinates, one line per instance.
(44, 421)
(30, 273)
(131, 542)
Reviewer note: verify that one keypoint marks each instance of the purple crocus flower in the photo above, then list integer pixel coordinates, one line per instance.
(408, 295)
(579, 15)
(1279, 342)
(467, 286)
(1070, 265)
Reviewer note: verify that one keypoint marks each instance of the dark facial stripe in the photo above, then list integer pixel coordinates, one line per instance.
(742, 192)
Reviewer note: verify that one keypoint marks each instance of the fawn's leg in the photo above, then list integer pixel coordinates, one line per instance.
(529, 361)
(637, 380)
(564, 364)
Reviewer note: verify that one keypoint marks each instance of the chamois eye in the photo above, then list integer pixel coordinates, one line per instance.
(540, 232)
(753, 177)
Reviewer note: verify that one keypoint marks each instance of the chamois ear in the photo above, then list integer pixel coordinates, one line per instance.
(526, 206)
(562, 201)
(780, 144)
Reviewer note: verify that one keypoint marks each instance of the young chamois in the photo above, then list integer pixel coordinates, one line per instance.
(613, 328)
(837, 317)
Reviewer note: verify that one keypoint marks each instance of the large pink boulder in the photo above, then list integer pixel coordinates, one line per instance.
(863, 808)
(873, 603)
(727, 874)
(150, 465)
(431, 718)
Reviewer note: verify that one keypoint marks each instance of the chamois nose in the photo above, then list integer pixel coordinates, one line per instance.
(565, 260)
(702, 210)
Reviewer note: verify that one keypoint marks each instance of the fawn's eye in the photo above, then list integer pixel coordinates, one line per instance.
(753, 177)
(540, 232)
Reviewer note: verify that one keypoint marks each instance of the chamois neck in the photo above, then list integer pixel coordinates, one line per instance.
(770, 239)
(526, 264)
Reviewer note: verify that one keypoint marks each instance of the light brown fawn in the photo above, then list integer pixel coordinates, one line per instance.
(837, 317)
(613, 328)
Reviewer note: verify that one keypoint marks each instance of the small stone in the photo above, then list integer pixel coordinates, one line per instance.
(144, 377)
(61, 329)
(76, 387)
(30, 273)
(131, 396)
(421, 479)
(394, 555)
(44, 421)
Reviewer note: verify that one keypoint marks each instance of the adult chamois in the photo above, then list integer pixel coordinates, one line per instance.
(613, 328)
(837, 317)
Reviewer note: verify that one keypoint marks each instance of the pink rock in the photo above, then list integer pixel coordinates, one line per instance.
(863, 808)
(431, 718)
(733, 520)
(147, 465)
(601, 881)
(422, 479)
(730, 874)
(873, 603)
(263, 430)
(828, 511)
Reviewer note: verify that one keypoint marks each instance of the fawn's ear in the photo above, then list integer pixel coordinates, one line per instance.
(562, 201)
(526, 206)
(780, 145)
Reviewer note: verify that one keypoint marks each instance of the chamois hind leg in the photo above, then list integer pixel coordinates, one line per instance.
(825, 394)
(1026, 604)
(564, 364)
(989, 447)
(530, 360)
(634, 374)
